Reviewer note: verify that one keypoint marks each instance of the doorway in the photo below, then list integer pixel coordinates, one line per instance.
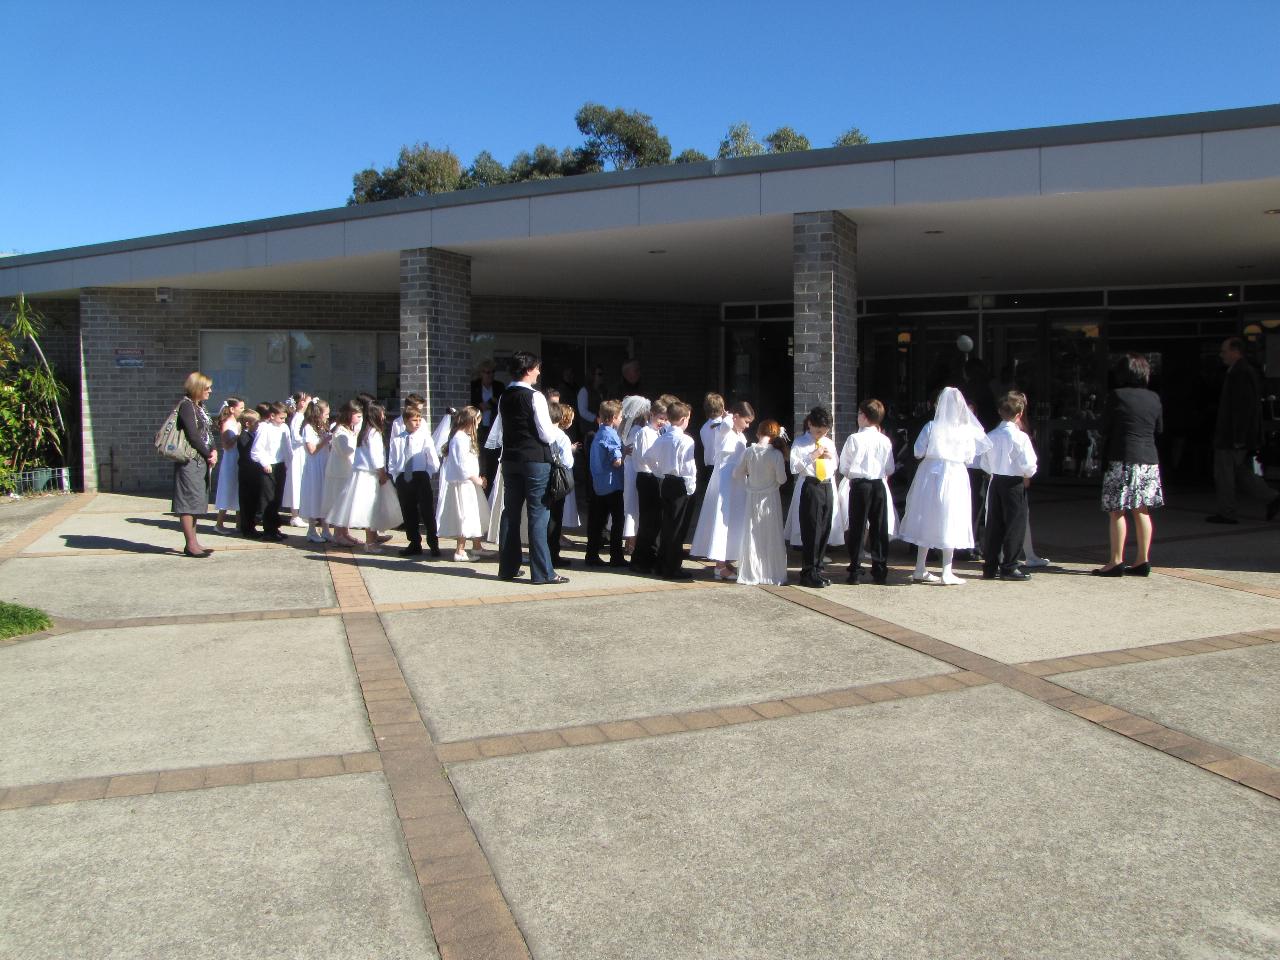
(758, 367)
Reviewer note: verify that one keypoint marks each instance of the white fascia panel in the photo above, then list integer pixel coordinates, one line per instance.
(400, 231)
(827, 188)
(584, 211)
(323, 241)
(473, 223)
(720, 198)
(162, 262)
(1242, 155)
(39, 278)
(968, 176)
(101, 271)
(1155, 162)
(231, 253)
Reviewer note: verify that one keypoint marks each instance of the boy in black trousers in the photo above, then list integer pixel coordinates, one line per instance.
(867, 460)
(1011, 461)
(411, 463)
(672, 460)
(814, 462)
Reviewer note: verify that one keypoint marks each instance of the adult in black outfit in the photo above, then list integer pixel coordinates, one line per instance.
(191, 479)
(1237, 435)
(485, 393)
(526, 432)
(1131, 476)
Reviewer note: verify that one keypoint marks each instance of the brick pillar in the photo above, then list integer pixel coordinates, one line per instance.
(435, 327)
(824, 288)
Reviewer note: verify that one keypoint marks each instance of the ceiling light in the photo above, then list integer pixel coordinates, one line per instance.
(657, 251)
(1273, 211)
(936, 232)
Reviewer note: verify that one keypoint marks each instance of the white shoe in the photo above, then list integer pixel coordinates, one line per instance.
(298, 522)
(951, 580)
(315, 538)
(927, 578)
(372, 548)
(462, 557)
(1037, 563)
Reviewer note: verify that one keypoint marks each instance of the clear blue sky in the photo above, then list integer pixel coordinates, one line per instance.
(128, 118)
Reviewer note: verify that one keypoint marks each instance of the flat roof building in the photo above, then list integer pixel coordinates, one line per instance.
(790, 280)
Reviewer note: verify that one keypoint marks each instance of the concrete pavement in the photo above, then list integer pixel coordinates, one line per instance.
(280, 751)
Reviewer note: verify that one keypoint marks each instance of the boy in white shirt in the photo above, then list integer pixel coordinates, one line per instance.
(867, 460)
(644, 555)
(272, 451)
(672, 460)
(814, 462)
(1011, 461)
(710, 435)
(412, 461)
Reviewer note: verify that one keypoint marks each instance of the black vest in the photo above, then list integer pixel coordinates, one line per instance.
(520, 440)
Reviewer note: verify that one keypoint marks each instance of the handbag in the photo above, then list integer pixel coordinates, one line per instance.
(560, 483)
(171, 442)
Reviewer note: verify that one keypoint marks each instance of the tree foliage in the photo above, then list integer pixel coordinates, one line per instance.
(619, 139)
(420, 170)
(739, 142)
(852, 137)
(787, 140)
(614, 139)
(31, 425)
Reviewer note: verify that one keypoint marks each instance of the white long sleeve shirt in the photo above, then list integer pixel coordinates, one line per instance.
(646, 437)
(804, 456)
(672, 455)
(462, 463)
(271, 444)
(413, 453)
(563, 447)
(711, 434)
(1011, 455)
(867, 455)
(372, 454)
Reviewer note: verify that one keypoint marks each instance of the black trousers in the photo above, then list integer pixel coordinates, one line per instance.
(605, 507)
(648, 523)
(868, 508)
(270, 495)
(555, 527)
(677, 508)
(250, 488)
(816, 504)
(1006, 523)
(418, 506)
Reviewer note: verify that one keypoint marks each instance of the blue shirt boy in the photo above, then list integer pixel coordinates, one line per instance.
(606, 450)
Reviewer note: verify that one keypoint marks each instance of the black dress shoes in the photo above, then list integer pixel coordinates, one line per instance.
(816, 583)
(1116, 571)
(1014, 574)
(1138, 570)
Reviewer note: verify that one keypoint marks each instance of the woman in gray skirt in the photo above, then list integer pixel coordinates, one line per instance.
(191, 479)
(1131, 484)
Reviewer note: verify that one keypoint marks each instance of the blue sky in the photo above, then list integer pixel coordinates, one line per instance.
(131, 118)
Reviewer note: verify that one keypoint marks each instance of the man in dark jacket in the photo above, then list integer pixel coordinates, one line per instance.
(485, 392)
(1237, 435)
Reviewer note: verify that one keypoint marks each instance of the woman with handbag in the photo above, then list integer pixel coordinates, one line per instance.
(191, 478)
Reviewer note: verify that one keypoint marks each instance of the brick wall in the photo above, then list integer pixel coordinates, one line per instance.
(824, 271)
(435, 327)
(124, 406)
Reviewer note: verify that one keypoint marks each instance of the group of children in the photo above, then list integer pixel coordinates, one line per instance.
(335, 473)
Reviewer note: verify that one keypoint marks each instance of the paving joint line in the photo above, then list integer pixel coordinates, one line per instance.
(185, 779)
(1218, 760)
(469, 916)
(38, 528)
(1073, 663)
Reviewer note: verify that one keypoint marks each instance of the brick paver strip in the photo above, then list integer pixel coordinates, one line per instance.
(469, 917)
(1218, 760)
(29, 535)
(1161, 651)
(186, 779)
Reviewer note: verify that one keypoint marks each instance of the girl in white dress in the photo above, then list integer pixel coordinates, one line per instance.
(635, 414)
(298, 458)
(369, 499)
(228, 493)
(725, 501)
(338, 469)
(762, 469)
(458, 510)
(939, 511)
(315, 443)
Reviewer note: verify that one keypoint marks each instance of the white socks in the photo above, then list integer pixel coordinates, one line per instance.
(921, 575)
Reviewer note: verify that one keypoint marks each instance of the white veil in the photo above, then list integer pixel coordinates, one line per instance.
(635, 409)
(955, 433)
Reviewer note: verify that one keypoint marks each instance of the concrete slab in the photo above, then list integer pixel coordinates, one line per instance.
(392, 579)
(134, 503)
(1061, 612)
(130, 532)
(153, 698)
(1227, 698)
(101, 586)
(311, 868)
(1252, 557)
(18, 513)
(975, 824)
(479, 671)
